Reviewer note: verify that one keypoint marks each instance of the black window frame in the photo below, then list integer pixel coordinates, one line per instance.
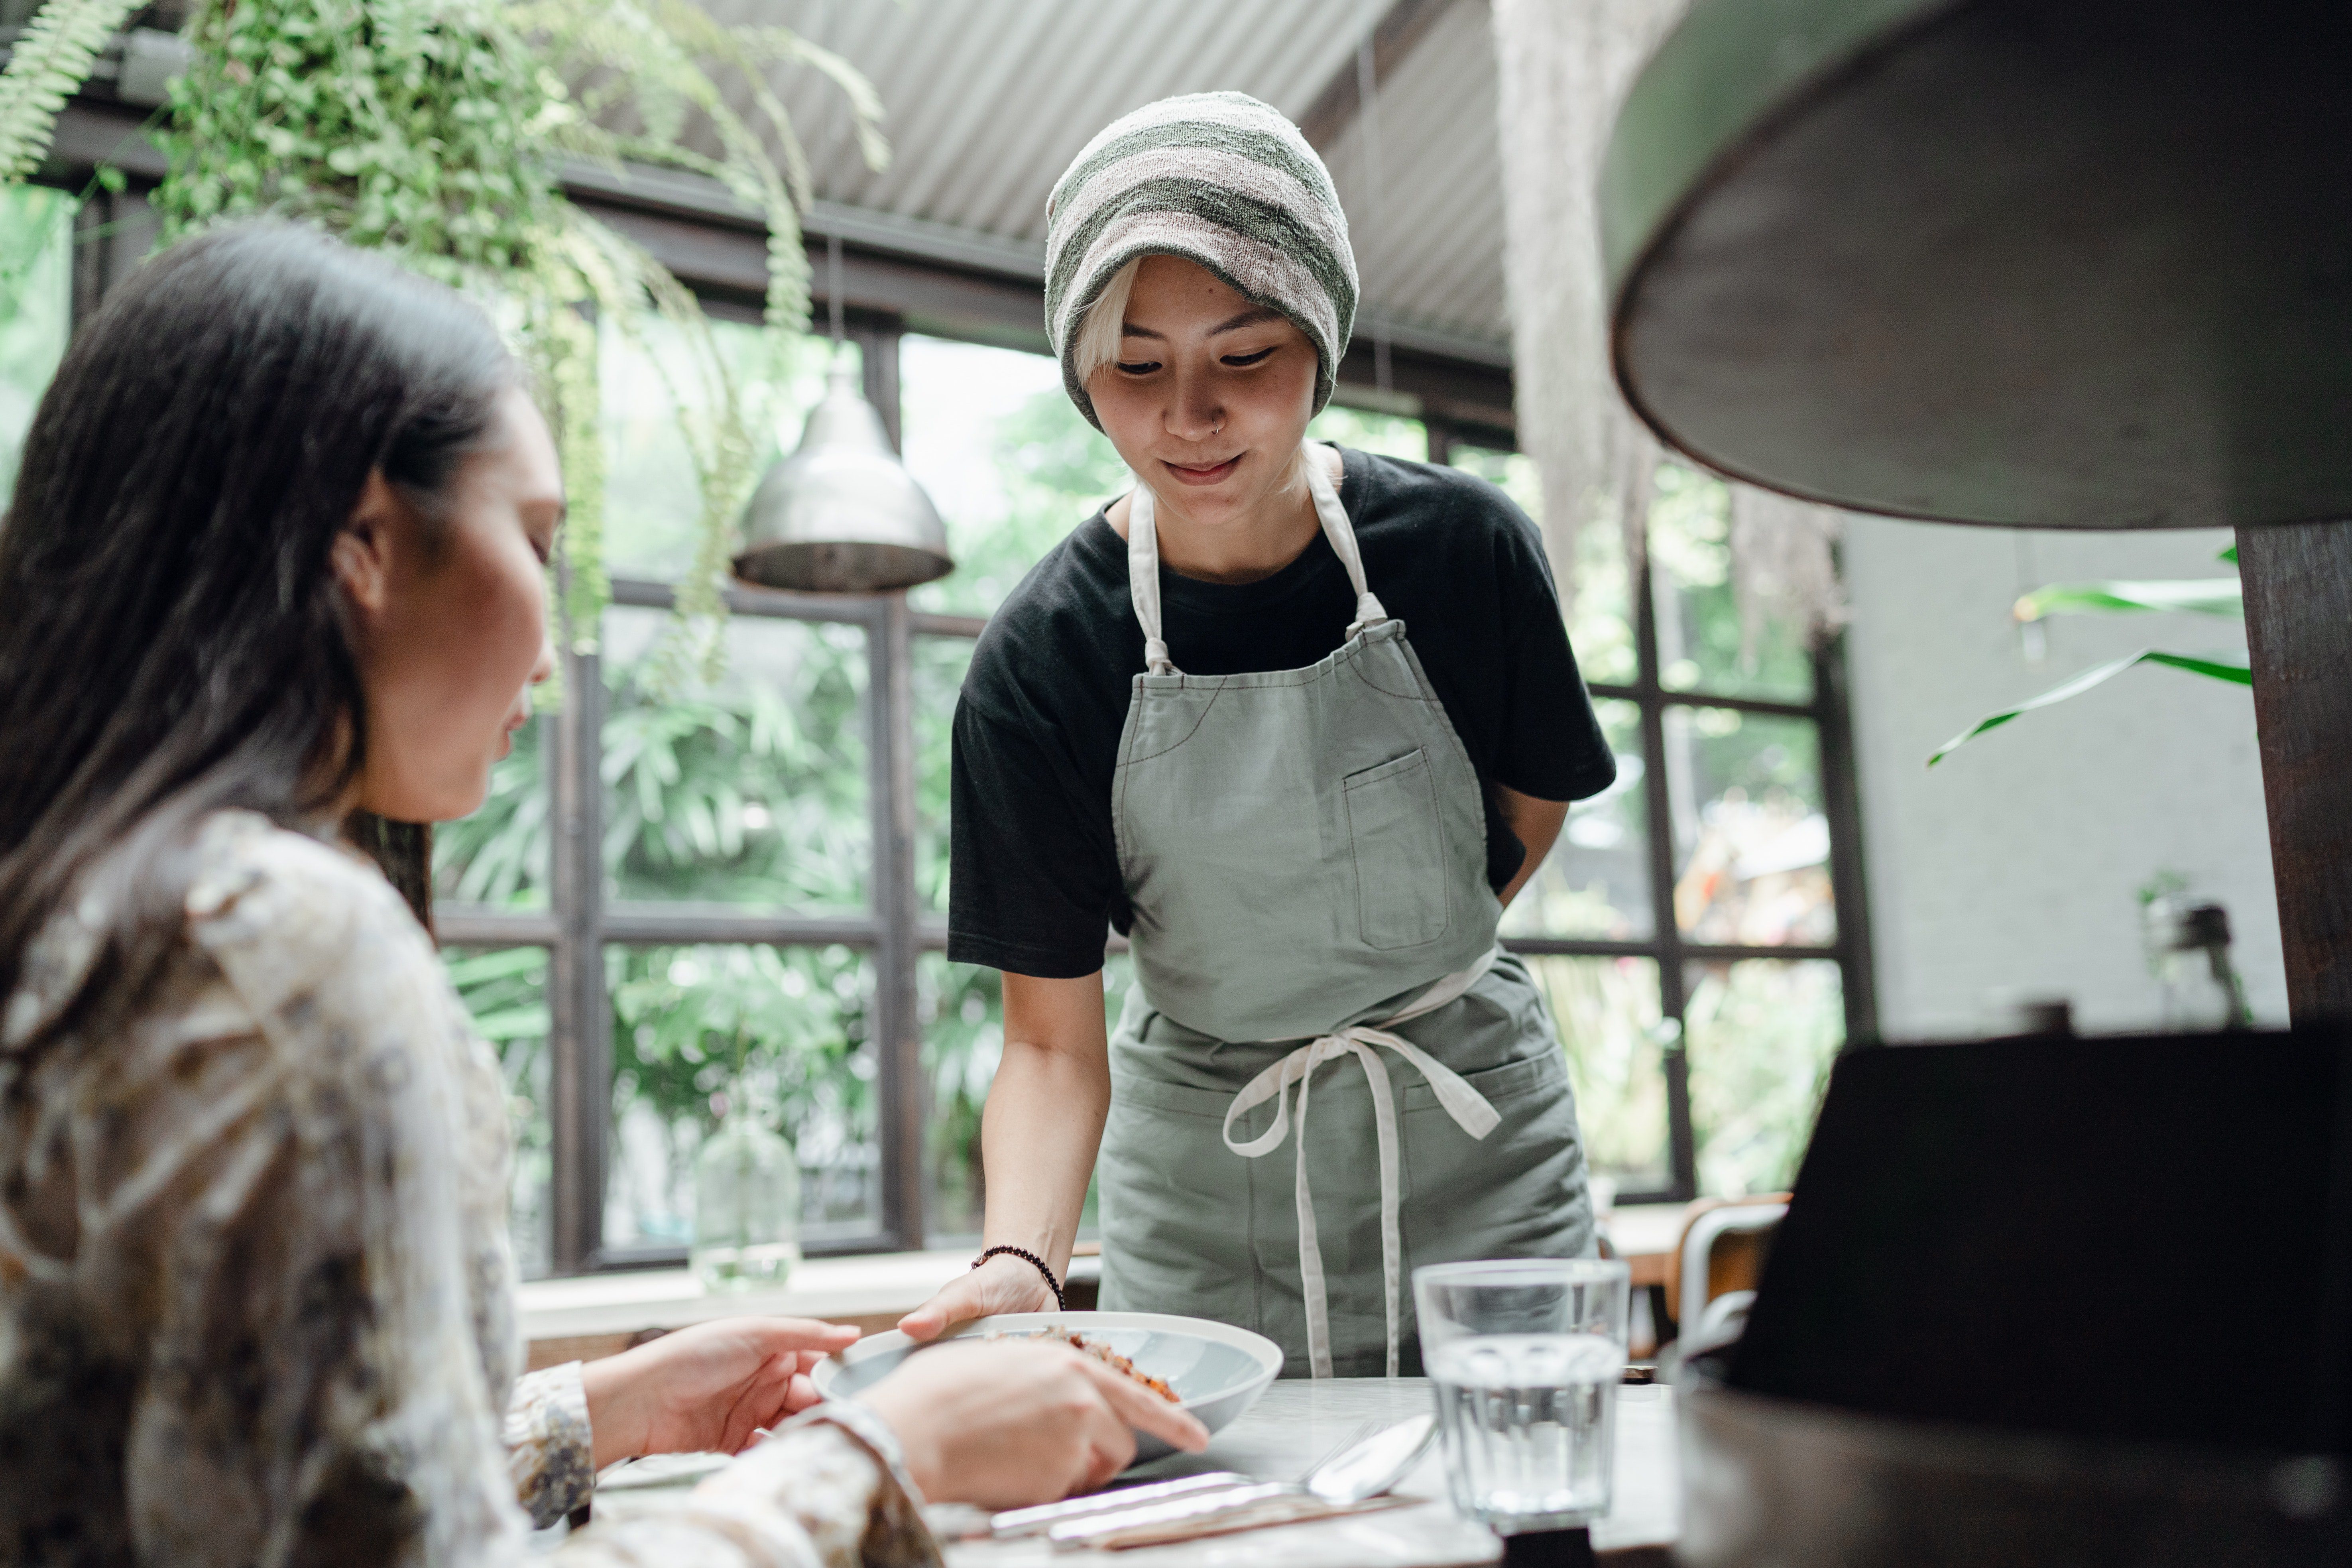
(1829, 710)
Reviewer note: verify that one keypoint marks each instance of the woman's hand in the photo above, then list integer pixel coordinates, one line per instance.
(1004, 1425)
(706, 1388)
(1003, 1284)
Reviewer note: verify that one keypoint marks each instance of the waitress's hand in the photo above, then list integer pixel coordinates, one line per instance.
(1009, 1424)
(707, 1388)
(1003, 1284)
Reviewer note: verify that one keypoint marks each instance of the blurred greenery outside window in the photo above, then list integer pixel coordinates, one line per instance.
(784, 1030)
(749, 797)
(506, 990)
(36, 308)
(1688, 1008)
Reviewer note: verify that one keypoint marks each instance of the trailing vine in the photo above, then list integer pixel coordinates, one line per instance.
(436, 131)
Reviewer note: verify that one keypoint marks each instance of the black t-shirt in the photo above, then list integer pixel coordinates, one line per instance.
(1034, 875)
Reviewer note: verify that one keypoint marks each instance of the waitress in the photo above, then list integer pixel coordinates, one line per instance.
(1201, 722)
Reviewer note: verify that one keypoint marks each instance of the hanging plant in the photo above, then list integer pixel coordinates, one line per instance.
(436, 130)
(46, 64)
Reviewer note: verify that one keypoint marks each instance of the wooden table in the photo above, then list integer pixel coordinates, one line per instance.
(1296, 1423)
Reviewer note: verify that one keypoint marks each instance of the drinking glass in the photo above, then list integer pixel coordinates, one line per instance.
(1527, 1355)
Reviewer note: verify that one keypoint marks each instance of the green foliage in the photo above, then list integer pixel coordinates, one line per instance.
(36, 308)
(47, 64)
(2098, 675)
(782, 1031)
(499, 855)
(2205, 595)
(2208, 596)
(435, 130)
(1607, 1009)
(1707, 640)
(421, 127)
(1390, 434)
(1761, 1036)
(751, 792)
(1050, 445)
(962, 1009)
(1600, 619)
(506, 990)
(1052, 470)
(650, 60)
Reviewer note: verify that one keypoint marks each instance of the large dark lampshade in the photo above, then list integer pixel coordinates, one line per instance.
(2059, 263)
(842, 514)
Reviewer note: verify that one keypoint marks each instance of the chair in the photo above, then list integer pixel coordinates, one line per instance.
(1719, 1261)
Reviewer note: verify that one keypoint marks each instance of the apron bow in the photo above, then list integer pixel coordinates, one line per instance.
(1466, 1106)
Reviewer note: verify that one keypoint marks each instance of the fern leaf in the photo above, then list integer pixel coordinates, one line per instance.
(51, 61)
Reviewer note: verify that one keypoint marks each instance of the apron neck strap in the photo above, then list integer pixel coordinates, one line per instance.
(1143, 560)
(1143, 577)
(1343, 535)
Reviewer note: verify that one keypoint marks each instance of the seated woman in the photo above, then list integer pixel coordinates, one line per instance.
(273, 571)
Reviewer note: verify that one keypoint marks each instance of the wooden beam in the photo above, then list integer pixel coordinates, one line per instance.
(1394, 37)
(2298, 586)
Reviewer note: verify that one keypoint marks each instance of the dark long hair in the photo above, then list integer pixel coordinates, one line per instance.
(172, 638)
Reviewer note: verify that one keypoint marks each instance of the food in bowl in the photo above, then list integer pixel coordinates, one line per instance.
(1100, 1352)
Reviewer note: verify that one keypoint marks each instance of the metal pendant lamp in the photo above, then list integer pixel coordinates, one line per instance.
(842, 514)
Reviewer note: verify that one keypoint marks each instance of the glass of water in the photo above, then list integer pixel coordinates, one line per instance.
(1527, 1355)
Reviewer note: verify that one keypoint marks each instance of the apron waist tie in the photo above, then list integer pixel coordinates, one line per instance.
(1466, 1106)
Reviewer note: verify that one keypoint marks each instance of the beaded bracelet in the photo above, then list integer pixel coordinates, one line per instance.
(1061, 1303)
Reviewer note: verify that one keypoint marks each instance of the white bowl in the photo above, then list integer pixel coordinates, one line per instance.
(1216, 1370)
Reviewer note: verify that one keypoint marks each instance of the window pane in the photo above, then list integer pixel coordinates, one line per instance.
(1601, 623)
(1702, 642)
(1390, 434)
(1010, 462)
(652, 497)
(783, 1030)
(36, 308)
(752, 792)
(1607, 1010)
(506, 990)
(1760, 1034)
(499, 855)
(1751, 844)
(962, 1008)
(1596, 882)
(939, 664)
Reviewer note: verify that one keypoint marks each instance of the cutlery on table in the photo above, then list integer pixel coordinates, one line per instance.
(1348, 1479)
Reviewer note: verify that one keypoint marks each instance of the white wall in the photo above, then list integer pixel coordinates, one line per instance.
(2014, 863)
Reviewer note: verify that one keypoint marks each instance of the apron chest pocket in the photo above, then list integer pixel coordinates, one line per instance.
(1399, 845)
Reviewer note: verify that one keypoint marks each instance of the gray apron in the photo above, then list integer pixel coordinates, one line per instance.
(1305, 853)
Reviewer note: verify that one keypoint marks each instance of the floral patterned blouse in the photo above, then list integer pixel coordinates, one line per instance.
(256, 1305)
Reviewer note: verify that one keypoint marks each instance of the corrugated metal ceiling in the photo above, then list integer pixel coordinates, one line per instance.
(987, 100)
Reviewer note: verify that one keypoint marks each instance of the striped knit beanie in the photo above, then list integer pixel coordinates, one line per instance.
(1218, 178)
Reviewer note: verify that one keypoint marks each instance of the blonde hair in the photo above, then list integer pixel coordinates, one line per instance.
(1100, 335)
(1106, 322)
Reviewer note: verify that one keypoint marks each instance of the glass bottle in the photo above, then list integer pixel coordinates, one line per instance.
(2201, 991)
(747, 1206)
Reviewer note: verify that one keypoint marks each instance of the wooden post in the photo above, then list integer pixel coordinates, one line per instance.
(579, 1037)
(897, 1032)
(2298, 585)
